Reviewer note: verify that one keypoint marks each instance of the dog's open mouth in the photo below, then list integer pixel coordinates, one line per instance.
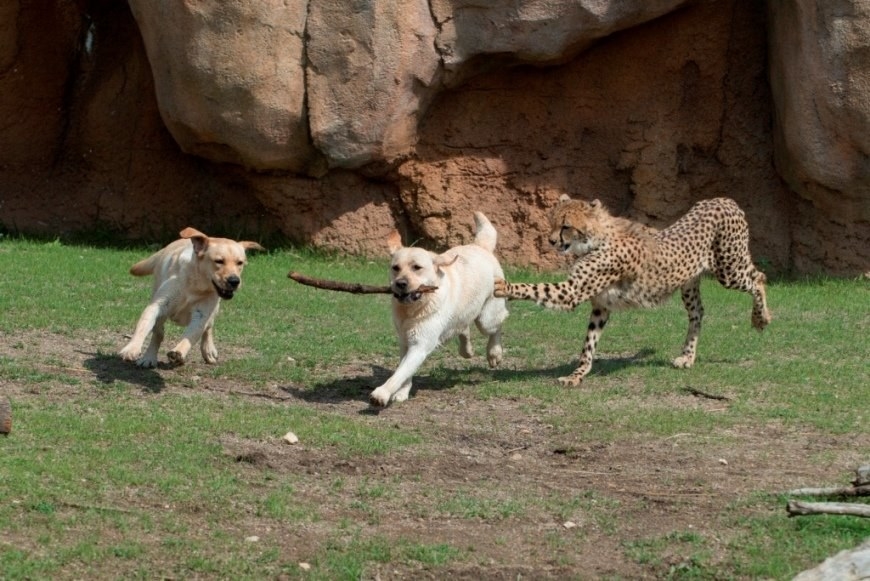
(223, 293)
(408, 297)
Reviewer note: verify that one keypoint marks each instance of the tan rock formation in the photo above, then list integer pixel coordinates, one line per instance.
(230, 78)
(340, 121)
(820, 79)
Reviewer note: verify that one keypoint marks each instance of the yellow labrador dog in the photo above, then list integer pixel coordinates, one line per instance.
(464, 277)
(191, 276)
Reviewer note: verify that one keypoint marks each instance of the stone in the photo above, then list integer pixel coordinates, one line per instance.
(820, 81)
(230, 79)
(848, 565)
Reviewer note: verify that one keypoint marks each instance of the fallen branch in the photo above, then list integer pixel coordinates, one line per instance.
(349, 287)
(798, 508)
(699, 393)
(863, 490)
(860, 486)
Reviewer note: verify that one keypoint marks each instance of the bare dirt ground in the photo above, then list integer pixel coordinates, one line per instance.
(628, 490)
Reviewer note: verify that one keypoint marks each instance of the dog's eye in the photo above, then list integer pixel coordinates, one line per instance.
(416, 268)
(219, 261)
(395, 268)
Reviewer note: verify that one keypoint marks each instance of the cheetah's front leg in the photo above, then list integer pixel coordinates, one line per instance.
(553, 295)
(597, 320)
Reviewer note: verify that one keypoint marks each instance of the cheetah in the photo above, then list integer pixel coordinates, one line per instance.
(623, 264)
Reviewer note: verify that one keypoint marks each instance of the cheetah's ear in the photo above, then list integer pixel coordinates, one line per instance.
(595, 203)
(564, 198)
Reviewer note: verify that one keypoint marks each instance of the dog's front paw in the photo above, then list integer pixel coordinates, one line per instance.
(500, 289)
(147, 362)
(175, 358)
(379, 397)
(129, 354)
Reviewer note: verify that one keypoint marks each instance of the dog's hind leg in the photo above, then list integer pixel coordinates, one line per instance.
(199, 322)
(489, 322)
(465, 348)
(209, 351)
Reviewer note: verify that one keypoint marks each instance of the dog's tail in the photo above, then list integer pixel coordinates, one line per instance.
(145, 267)
(484, 232)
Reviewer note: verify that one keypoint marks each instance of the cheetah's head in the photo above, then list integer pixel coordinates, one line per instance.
(577, 225)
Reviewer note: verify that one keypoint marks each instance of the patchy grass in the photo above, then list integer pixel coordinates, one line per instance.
(113, 471)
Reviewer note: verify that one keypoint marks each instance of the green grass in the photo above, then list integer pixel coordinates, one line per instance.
(112, 471)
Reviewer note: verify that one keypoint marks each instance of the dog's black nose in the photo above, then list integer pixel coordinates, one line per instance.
(401, 284)
(234, 281)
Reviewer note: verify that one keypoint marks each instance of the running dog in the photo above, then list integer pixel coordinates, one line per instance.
(191, 276)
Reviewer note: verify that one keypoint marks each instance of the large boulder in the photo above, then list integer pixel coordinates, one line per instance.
(230, 78)
(241, 82)
(479, 35)
(820, 80)
(848, 565)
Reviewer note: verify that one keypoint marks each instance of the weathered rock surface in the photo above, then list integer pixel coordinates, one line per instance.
(334, 122)
(820, 79)
(230, 79)
(848, 565)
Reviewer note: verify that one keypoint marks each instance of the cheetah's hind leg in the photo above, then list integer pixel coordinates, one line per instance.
(691, 295)
(760, 313)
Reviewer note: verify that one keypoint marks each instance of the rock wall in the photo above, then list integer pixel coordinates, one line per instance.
(332, 122)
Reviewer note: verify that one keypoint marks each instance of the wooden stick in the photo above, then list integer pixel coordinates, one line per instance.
(350, 287)
(863, 490)
(699, 393)
(798, 508)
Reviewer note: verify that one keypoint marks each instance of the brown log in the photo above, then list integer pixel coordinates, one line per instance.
(349, 287)
(798, 508)
(863, 490)
(5, 416)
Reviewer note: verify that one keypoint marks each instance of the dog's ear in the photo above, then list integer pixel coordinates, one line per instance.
(394, 241)
(441, 261)
(248, 245)
(200, 240)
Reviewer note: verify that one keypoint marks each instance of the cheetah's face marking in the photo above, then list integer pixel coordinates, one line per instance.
(569, 240)
(573, 226)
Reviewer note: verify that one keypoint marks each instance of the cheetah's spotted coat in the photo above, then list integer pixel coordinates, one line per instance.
(624, 264)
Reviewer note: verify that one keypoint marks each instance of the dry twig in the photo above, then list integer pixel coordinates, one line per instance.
(699, 393)
(349, 287)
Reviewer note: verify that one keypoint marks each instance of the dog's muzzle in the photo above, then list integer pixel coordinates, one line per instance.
(408, 297)
(403, 295)
(232, 285)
